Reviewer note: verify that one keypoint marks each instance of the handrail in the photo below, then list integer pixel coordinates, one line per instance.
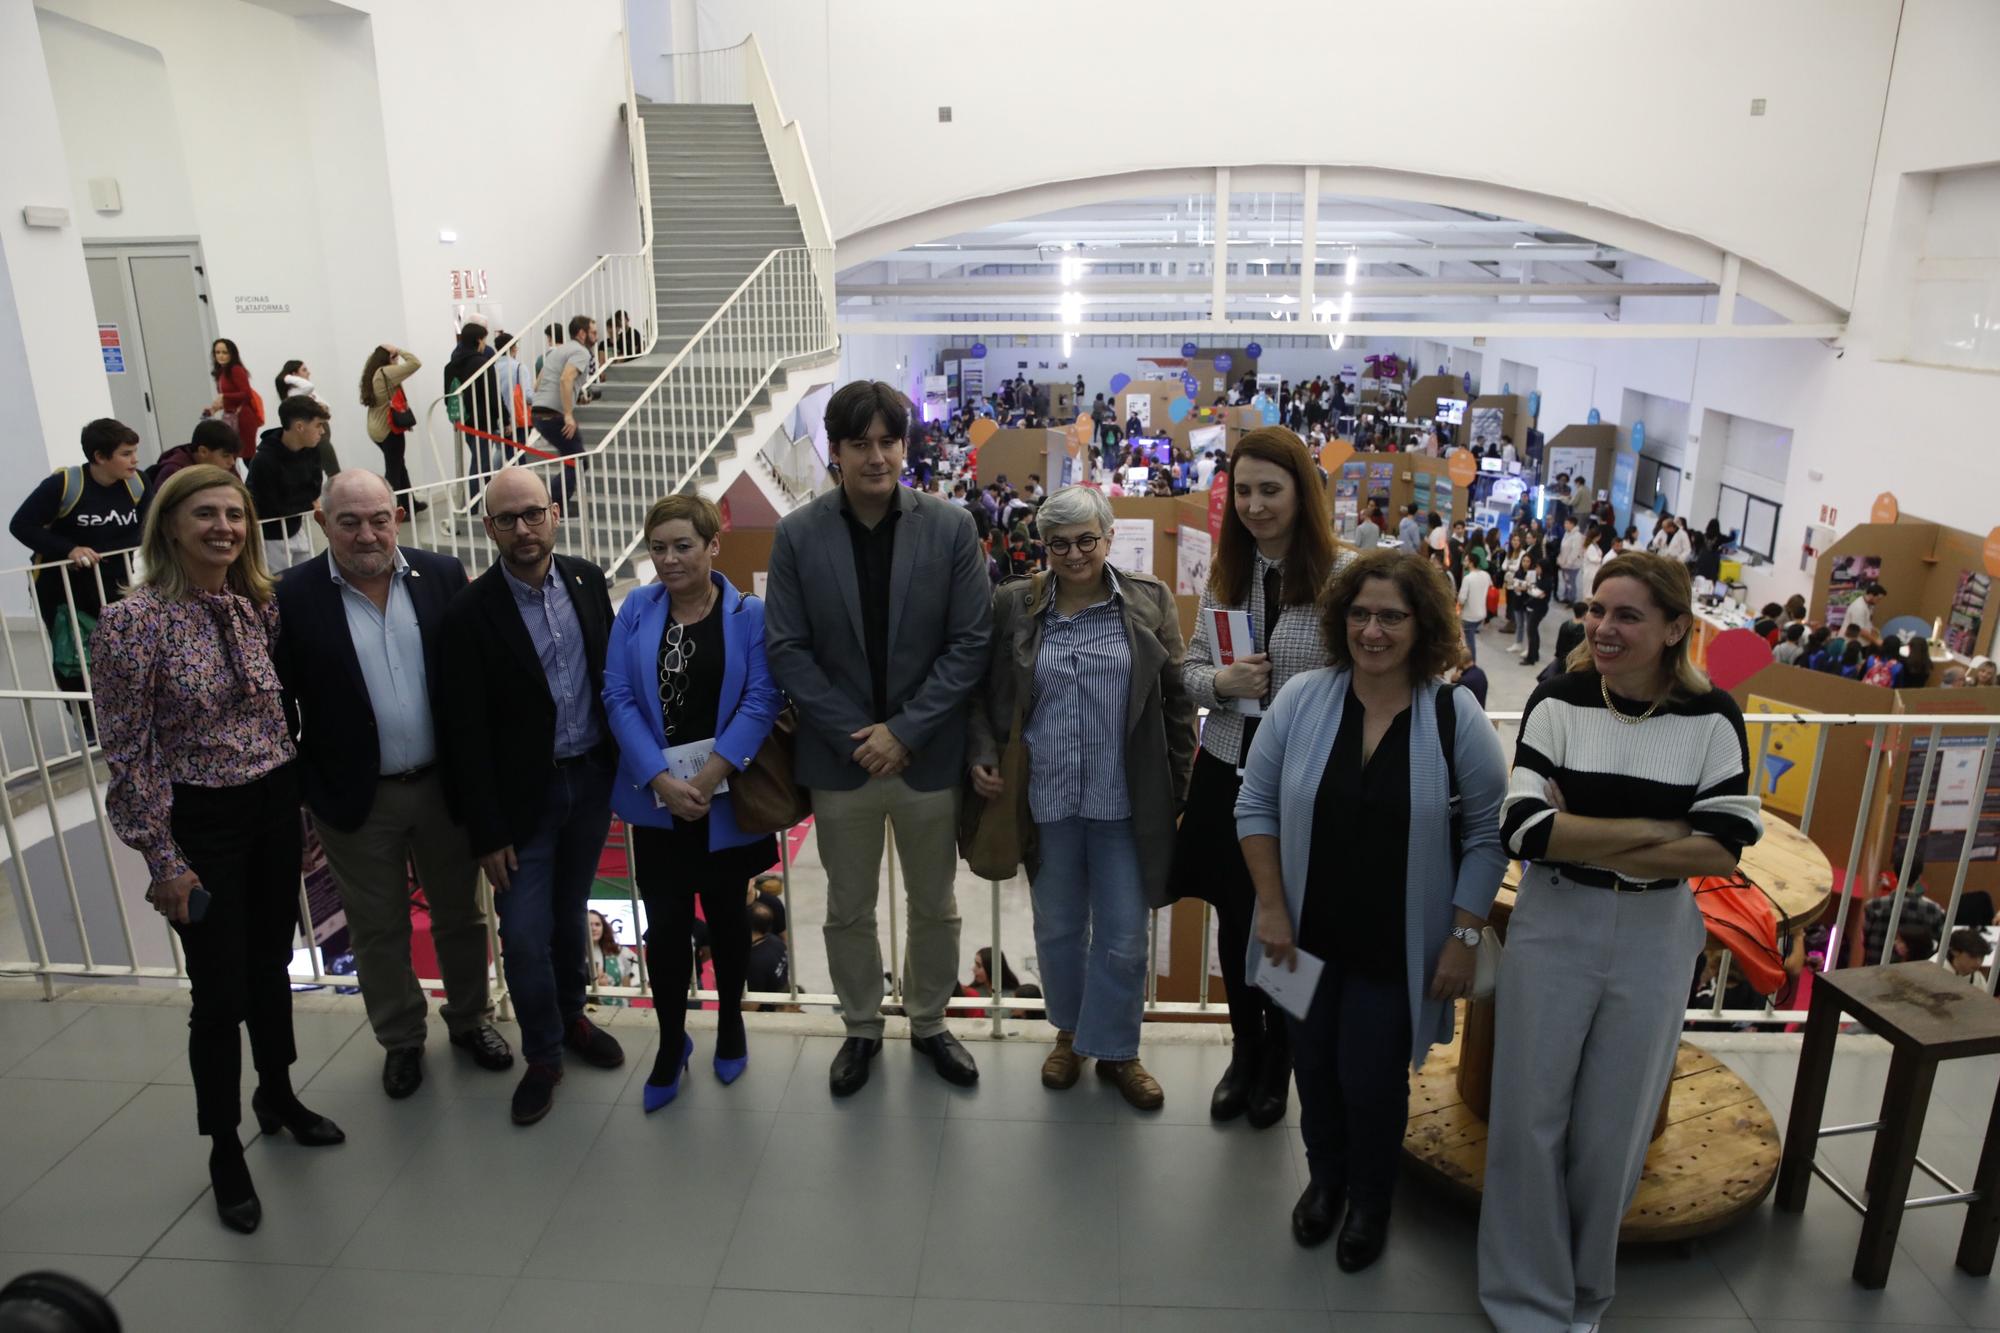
(604, 290)
(785, 142)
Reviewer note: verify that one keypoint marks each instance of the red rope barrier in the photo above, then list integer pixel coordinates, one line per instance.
(568, 460)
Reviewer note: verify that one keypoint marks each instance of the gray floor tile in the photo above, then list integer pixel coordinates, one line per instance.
(1795, 1266)
(26, 1024)
(315, 1199)
(475, 1195)
(1834, 1326)
(317, 1035)
(121, 1188)
(101, 1271)
(657, 1199)
(1667, 1282)
(1154, 1319)
(1187, 1075)
(954, 1316)
(1068, 1241)
(537, 1305)
(1929, 1239)
(45, 1119)
(901, 1083)
(739, 1311)
(1613, 1323)
(448, 1072)
(1204, 1219)
(113, 1043)
(1010, 1088)
(837, 1205)
(171, 1295)
(346, 1299)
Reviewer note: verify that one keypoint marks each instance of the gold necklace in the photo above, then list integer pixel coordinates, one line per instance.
(1604, 686)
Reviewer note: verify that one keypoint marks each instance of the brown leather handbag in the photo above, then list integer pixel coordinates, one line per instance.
(766, 797)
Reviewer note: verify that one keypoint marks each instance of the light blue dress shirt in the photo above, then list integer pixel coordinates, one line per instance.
(553, 628)
(389, 645)
(1075, 733)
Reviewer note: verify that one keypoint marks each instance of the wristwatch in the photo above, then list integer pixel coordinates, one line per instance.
(1466, 935)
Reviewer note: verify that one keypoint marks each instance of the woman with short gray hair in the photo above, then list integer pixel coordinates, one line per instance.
(1086, 669)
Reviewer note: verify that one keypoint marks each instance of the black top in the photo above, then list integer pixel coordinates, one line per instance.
(284, 483)
(1567, 639)
(874, 554)
(777, 909)
(690, 677)
(766, 971)
(1353, 913)
(105, 518)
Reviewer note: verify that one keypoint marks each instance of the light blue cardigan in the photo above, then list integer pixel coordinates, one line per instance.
(1281, 780)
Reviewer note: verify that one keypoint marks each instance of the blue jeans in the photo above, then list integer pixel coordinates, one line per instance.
(544, 933)
(550, 428)
(1090, 930)
(1471, 638)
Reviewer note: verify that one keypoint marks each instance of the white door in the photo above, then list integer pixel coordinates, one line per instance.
(157, 297)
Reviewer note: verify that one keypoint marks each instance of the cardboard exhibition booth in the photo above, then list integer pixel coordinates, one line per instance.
(1393, 481)
(1939, 575)
(1590, 450)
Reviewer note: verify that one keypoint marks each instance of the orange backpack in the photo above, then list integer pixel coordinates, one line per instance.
(1742, 918)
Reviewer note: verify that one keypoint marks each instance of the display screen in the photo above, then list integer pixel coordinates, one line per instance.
(1451, 411)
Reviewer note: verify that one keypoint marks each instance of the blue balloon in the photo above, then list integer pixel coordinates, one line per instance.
(1188, 349)
(1593, 418)
(979, 350)
(1223, 362)
(1119, 381)
(1638, 437)
(1269, 413)
(1177, 410)
(1506, 389)
(1535, 405)
(1468, 384)
(1190, 385)
(1254, 350)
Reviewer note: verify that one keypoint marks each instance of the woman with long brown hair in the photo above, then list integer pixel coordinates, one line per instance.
(1276, 554)
(389, 422)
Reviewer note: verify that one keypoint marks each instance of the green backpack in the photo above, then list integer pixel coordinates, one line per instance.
(70, 650)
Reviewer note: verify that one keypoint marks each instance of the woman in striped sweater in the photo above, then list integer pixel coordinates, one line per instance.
(1630, 775)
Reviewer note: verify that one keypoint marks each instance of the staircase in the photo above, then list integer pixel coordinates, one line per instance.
(717, 215)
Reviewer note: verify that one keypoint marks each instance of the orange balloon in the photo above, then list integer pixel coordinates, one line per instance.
(1993, 553)
(1886, 509)
(981, 431)
(1333, 453)
(1462, 466)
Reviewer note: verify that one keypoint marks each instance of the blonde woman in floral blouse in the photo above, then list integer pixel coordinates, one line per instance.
(202, 785)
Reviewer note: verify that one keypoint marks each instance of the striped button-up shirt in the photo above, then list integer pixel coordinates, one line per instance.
(1075, 733)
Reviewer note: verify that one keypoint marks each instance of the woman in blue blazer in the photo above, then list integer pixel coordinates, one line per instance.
(685, 673)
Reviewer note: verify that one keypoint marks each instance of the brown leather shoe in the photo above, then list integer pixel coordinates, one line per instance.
(1064, 1066)
(1140, 1088)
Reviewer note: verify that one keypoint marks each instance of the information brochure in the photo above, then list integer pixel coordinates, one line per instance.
(1230, 637)
(684, 761)
(1292, 991)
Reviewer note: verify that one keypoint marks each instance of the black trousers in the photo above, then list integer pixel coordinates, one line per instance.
(672, 867)
(1208, 864)
(393, 465)
(1351, 1057)
(243, 844)
(1534, 610)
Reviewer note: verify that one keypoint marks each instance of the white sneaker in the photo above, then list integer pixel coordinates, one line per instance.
(1516, 648)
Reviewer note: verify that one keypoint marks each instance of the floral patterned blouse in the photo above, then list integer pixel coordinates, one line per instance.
(186, 693)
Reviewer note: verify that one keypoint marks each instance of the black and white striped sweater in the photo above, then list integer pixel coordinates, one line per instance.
(1687, 761)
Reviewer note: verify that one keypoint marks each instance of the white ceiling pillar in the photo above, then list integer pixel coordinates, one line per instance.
(1219, 251)
(1308, 244)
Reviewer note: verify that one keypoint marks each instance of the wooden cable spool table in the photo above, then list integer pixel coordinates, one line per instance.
(1715, 1144)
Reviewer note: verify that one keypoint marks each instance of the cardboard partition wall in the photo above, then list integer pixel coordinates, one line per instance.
(1493, 415)
(1930, 571)
(1592, 446)
(1838, 809)
(1014, 453)
(1424, 482)
(1163, 538)
(1948, 810)
(746, 557)
(1212, 381)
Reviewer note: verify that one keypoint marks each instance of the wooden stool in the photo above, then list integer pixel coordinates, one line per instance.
(1928, 1016)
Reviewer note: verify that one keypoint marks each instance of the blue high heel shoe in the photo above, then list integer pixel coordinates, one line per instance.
(731, 1070)
(655, 1095)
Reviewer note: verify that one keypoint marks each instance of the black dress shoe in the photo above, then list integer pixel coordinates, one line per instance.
(1273, 1088)
(594, 1044)
(953, 1061)
(1315, 1213)
(309, 1129)
(236, 1200)
(1232, 1090)
(489, 1049)
(535, 1093)
(403, 1071)
(850, 1065)
(1362, 1237)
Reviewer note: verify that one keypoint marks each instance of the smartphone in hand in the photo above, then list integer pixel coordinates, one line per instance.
(197, 904)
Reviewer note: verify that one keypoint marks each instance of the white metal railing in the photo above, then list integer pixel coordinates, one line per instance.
(705, 78)
(785, 142)
(78, 906)
(617, 290)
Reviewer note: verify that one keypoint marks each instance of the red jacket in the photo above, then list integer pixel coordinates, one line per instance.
(233, 384)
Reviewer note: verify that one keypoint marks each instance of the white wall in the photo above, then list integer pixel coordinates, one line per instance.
(1641, 108)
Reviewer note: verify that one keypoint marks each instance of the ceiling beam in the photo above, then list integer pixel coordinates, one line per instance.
(1413, 328)
(1138, 284)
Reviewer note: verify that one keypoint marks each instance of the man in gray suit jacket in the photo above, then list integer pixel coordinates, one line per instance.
(876, 624)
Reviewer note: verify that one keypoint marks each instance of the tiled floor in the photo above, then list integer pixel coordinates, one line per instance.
(767, 1205)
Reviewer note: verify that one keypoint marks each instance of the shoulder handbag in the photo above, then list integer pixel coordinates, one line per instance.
(1485, 967)
(766, 797)
(990, 833)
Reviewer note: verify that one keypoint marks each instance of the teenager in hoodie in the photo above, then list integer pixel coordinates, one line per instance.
(213, 442)
(285, 475)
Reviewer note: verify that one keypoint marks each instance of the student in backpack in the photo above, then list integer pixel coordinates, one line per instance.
(86, 516)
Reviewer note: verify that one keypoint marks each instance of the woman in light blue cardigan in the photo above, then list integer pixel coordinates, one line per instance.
(1369, 819)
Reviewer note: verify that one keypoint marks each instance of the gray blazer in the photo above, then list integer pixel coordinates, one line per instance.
(939, 626)
(1159, 713)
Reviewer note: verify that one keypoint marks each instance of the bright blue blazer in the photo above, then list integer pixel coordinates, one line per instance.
(750, 703)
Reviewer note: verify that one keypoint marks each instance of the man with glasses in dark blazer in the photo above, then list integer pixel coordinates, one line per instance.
(876, 623)
(532, 758)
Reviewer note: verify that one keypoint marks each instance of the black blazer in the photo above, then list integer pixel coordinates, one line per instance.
(325, 695)
(498, 737)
